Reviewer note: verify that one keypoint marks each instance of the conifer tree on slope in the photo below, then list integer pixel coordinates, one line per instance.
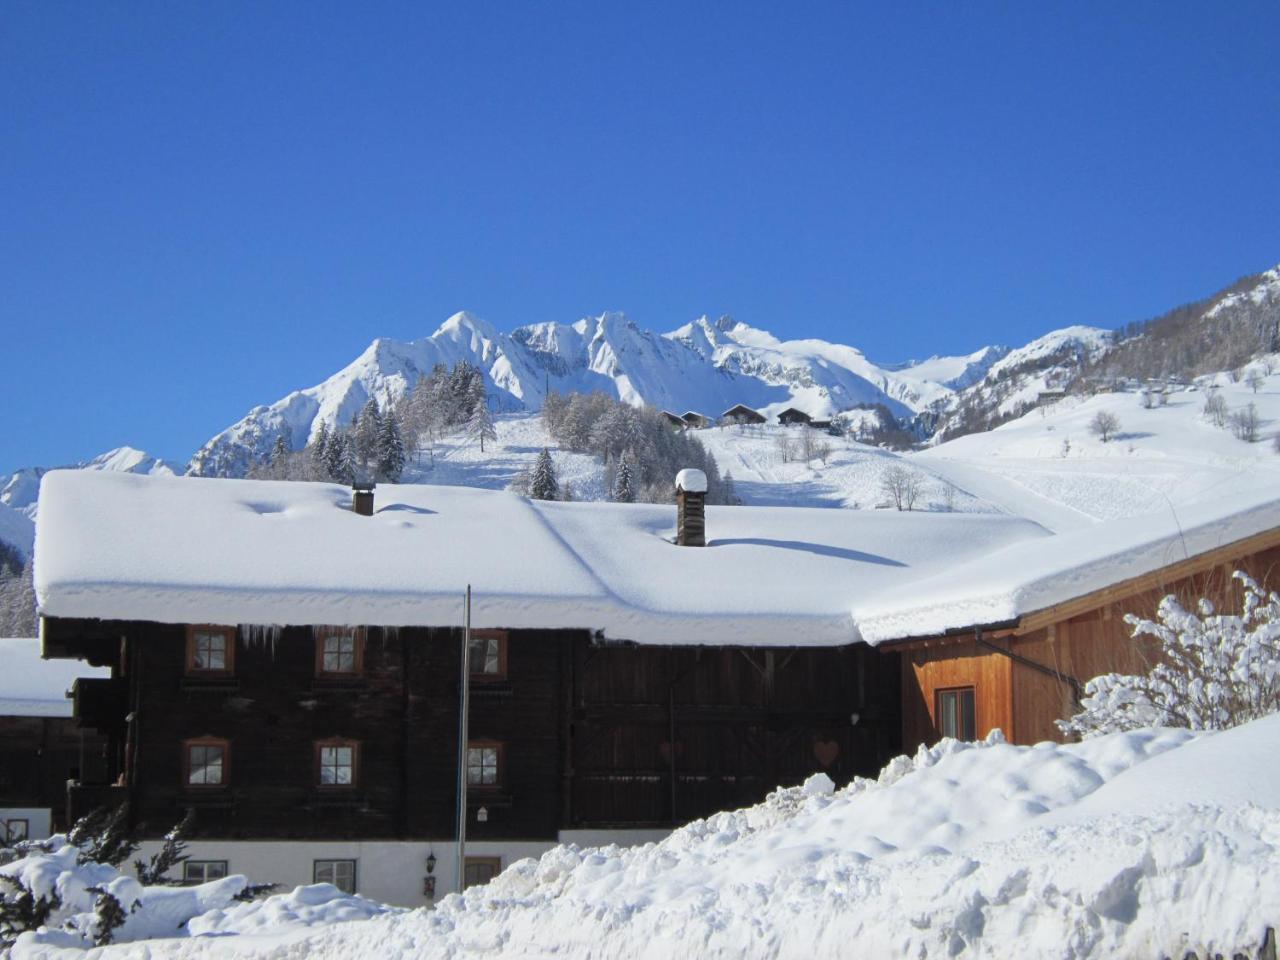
(368, 429)
(623, 482)
(320, 452)
(543, 484)
(480, 425)
(391, 455)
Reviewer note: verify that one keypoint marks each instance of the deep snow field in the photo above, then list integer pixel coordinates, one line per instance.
(1046, 466)
(1145, 844)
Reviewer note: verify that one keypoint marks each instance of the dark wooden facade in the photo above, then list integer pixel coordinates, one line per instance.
(39, 755)
(591, 734)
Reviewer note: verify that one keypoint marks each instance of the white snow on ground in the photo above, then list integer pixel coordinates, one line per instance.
(1048, 466)
(32, 687)
(207, 909)
(1151, 843)
(457, 460)
(852, 474)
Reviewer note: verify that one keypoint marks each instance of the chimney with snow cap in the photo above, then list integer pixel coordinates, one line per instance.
(362, 497)
(691, 515)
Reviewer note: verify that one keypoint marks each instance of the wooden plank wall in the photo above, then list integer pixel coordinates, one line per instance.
(957, 664)
(1023, 701)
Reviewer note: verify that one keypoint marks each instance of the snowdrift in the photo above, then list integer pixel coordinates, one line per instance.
(1150, 843)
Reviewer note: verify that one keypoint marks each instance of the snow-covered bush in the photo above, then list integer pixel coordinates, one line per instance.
(1214, 671)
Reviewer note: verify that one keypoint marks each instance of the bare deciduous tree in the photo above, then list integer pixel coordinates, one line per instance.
(1215, 409)
(1104, 425)
(1244, 423)
(1254, 380)
(901, 485)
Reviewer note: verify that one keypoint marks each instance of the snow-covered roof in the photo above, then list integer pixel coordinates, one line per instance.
(183, 550)
(31, 687)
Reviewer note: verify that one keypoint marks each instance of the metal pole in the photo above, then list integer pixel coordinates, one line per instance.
(463, 713)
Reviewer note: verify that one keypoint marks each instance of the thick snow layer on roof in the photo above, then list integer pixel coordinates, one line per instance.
(31, 687)
(183, 550)
(1029, 576)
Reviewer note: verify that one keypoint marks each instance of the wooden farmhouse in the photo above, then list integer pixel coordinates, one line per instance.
(741, 413)
(696, 420)
(791, 416)
(42, 746)
(291, 670)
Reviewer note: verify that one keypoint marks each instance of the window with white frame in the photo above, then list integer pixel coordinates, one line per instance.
(341, 873)
(202, 871)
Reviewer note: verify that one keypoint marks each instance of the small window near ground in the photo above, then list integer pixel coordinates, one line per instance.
(484, 764)
(339, 651)
(336, 763)
(15, 830)
(207, 762)
(488, 654)
(341, 873)
(211, 651)
(481, 870)
(202, 871)
(956, 713)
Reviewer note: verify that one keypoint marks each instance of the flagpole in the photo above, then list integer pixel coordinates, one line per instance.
(463, 714)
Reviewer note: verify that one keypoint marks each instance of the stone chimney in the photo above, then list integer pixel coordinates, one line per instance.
(691, 509)
(362, 497)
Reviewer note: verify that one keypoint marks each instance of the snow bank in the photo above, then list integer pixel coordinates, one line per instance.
(163, 911)
(1151, 843)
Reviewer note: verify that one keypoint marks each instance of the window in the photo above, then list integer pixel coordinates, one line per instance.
(484, 764)
(488, 654)
(211, 651)
(341, 873)
(956, 714)
(336, 762)
(207, 760)
(15, 830)
(202, 871)
(481, 870)
(339, 651)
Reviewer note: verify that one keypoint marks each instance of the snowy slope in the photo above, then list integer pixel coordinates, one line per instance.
(1145, 844)
(20, 491)
(701, 366)
(1048, 466)
(17, 529)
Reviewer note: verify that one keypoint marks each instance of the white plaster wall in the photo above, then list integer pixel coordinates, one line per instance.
(386, 870)
(39, 820)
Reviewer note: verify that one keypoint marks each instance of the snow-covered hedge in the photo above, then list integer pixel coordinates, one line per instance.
(1214, 671)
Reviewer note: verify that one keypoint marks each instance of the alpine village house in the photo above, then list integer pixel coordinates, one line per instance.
(287, 661)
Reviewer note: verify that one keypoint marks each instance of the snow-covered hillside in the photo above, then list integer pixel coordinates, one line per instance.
(1050, 467)
(702, 366)
(21, 490)
(1151, 843)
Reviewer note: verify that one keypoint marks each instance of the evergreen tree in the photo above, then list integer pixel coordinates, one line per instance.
(280, 456)
(348, 463)
(391, 453)
(728, 492)
(368, 430)
(480, 426)
(320, 452)
(543, 484)
(623, 485)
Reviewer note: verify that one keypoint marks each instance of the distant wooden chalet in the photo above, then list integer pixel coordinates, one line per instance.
(740, 413)
(674, 420)
(696, 420)
(791, 416)
(42, 746)
(291, 670)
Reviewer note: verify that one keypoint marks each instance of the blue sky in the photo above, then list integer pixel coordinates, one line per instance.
(203, 206)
